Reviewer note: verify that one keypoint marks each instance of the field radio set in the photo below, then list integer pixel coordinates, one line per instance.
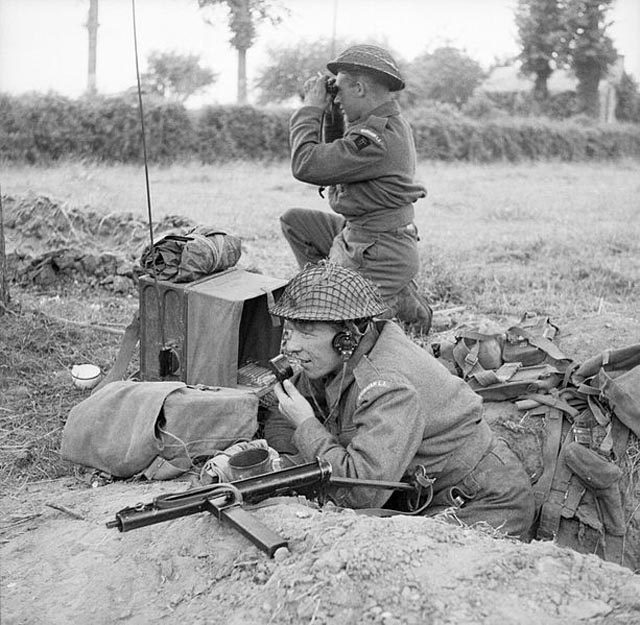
(206, 331)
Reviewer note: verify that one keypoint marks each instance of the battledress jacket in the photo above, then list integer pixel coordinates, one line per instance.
(397, 407)
(370, 171)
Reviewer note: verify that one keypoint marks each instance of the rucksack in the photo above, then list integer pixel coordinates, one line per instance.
(584, 492)
(574, 425)
(156, 429)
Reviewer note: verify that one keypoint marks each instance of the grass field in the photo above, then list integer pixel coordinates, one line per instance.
(558, 237)
(561, 239)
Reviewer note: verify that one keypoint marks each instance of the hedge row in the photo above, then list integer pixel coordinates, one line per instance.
(45, 128)
(513, 140)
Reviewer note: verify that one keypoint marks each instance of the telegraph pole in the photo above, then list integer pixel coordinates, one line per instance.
(92, 27)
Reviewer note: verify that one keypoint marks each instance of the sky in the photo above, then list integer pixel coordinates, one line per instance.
(44, 43)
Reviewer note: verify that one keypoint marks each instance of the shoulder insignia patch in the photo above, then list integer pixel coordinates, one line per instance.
(361, 142)
(371, 134)
(372, 385)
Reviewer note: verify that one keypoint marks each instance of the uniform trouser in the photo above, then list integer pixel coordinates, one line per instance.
(497, 492)
(389, 259)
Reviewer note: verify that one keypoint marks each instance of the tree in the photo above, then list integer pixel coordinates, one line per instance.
(588, 47)
(628, 105)
(541, 33)
(176, 76)
(243, 18)
(566, 33)
(446, 75)
(92, 27)
(283, 77)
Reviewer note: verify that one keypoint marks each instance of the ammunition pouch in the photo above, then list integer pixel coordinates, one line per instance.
(602, 477)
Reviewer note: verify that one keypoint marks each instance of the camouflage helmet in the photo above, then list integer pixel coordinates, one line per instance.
(328, 292)
(370, 58)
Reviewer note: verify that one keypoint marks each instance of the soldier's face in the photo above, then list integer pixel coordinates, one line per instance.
(348, 96)
(311, 344)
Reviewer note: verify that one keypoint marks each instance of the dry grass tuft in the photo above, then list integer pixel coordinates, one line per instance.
(36, 355)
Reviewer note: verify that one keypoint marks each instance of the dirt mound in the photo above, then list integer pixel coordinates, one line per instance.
(341, 567)
(49, 243)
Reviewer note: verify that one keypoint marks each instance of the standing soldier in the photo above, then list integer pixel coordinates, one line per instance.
(370, 174)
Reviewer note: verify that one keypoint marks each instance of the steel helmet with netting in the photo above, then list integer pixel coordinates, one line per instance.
(372, 59)
(329, 292)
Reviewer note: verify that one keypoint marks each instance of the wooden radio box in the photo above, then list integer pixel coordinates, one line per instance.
(210, 327)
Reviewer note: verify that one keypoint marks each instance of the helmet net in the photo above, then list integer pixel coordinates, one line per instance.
(371, 58)
(329, 292)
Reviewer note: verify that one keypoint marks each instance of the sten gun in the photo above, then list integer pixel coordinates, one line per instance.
(225, 500)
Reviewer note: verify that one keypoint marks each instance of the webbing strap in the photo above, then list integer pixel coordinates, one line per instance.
(571, 368)
(600, 416)
(553, 401)
(586, 389)
(575, 491)
(466, 358)
(542, 343)
(125, 354)
(551, 510)
(553, 434)
(614, 547)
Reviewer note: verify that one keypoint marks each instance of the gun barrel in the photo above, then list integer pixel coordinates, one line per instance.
(350, 482)
(134, 517)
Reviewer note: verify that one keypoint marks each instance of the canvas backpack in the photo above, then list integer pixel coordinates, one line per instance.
(156, 429)
(582, 417)
(587, 425)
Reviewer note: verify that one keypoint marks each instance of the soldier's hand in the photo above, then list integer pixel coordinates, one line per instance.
(292, 404)
(315, 92)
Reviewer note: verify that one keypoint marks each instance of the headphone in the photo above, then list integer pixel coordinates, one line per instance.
(345, 343)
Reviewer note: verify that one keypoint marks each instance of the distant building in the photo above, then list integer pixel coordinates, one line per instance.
(507, 79)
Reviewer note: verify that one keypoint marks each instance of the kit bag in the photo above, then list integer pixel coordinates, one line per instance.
(198, 252)
(505, 364)
(587, 428)
(157, 429)
(612, 379)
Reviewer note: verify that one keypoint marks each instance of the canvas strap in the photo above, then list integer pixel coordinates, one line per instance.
(125, 353)
(553, 434)
(542, 343)
(553, 504)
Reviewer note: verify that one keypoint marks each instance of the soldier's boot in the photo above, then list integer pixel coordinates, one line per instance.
(412, 308)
